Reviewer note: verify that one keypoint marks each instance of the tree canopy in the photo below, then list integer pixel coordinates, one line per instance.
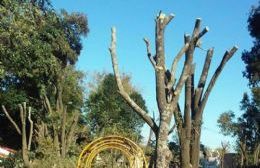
(252, 57)
(38, 51)
(108, 112)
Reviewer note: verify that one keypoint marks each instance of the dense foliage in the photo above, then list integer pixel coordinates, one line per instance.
(38, 51)
(252, 57)
(107, 112)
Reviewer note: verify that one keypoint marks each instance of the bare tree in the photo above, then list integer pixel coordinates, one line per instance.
(168, 90)
(26, 145)
(63, 133)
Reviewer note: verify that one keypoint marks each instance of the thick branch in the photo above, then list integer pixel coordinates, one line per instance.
(225, 59)
(31, 128)
(126, 97)
(11, 120)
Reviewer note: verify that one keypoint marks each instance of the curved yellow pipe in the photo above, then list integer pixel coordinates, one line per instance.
(129, 148)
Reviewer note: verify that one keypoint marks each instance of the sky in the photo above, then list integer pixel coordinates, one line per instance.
(134, 20)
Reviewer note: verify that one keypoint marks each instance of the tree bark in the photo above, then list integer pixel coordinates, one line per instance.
(195, 146)
(163, 154)
(24, 138)
(185, 149)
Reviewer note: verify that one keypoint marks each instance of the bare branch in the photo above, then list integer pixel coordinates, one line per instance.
(203, 76)
(175, 63)
(47, 104)
(225, 59)
(203, 32)
(127, 98)
(147, 42)
(184, 76)
(196, 29)
(31, 128)
(11, 120)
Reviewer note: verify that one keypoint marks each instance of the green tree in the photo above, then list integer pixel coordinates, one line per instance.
(38, 50)
(245, 130)
(252, 58)
(108, 113)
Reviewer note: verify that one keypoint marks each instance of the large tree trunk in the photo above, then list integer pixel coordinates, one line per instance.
(163, 154)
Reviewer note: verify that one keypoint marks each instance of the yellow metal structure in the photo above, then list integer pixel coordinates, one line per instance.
(129, 149)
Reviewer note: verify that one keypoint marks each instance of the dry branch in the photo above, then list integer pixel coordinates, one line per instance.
(11, 120)
(31, 128)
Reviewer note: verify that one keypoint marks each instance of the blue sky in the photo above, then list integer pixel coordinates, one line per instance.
(134, 20)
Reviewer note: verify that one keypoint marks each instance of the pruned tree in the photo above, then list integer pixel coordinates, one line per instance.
(168, 90)
(26, 143)
(62, 126)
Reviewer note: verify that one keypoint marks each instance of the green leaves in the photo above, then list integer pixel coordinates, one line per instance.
(226, 123)
(107, 112)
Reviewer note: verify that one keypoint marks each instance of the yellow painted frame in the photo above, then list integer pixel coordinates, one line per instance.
(129, 149)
